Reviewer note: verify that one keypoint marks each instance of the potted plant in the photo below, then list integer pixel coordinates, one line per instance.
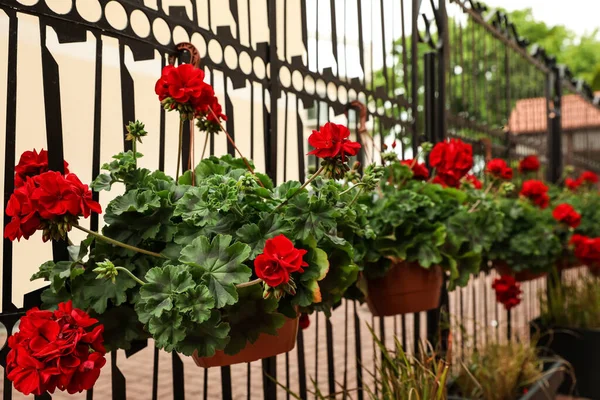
(420, 233)
(569, 327)
(528, 246)
(513, 370)
(206, 264)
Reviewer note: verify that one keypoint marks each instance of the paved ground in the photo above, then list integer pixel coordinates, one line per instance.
(482, 322)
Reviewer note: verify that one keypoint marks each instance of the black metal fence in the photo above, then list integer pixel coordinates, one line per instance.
(75, 72)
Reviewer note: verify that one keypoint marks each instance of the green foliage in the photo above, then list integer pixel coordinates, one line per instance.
(572, 304)
(528, 240)
(500, 371)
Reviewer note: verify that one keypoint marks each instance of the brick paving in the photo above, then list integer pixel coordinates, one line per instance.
(482, 322)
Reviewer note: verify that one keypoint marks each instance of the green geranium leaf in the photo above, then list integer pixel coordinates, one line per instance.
(206, 338)
(102, 182)
(255, 235)
(318, 265)
(95, 293)
(307, 293)
(58, 273)
(192, 207)
(196, 302)
(167, 330)
(121, 327)
(221, 265)
(134, 201)
(164, 285)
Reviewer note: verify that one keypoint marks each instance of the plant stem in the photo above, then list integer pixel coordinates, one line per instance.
(350, 188)
(179, 150)
(117, 243)
(205, 145)
(134, 148)
(251, 283)
(312, 178)
(131, 275)
(234, 146)
(355, 197)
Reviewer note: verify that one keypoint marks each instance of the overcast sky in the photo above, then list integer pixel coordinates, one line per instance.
(580, 16)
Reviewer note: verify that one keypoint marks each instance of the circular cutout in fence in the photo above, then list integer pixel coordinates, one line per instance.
(90, 10)
(60, 6)
(3, 335)
(371, 105)
(268, 68)
(180, 35)
(245, 63)
(332, 91)
(200, 44)
(389, 108)
(309, 84)
(139, 23)
(321, 88)
(116, 15)
(297, 80)
(215, 51)
(231, 57)
(28, 2)
(352, 95)
(285, 77)
(161, 31)
(362, 97)
(342, 94)
(380, 108)
(259, 67)
(457, 70)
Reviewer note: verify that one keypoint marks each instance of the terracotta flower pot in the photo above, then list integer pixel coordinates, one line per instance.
(265, 346)
(521, 276)
(406, 288)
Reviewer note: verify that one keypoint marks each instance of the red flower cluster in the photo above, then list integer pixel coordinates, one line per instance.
(586, 177)
(473, 181)
(537, 192)
(184, 85)
(304, 321)
(587, 250)
(572, 184)
(507, 291)
(48, 201)
(331, 141)
(529, 164)
(566, 214)
(452, 160)
(279, 259)
(57, 349)
(499, 169)
(420, 171)
(31, 164)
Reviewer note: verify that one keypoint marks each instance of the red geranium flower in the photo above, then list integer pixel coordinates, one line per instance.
(53, 350)
(331, 141)
(31, 164)
(419, 171)
(25, 218)
(587, 249)
(452, 160)
(507, 291)
(572, 184)
(588, 177)
(499, 169)
(279, 259)
(54, 196)
(566, 214)
(180, 83)
(529, 164)
(304, 321)
(84, 196)
(472, 180)
(537, 192)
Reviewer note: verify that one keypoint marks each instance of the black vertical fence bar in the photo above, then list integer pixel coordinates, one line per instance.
(301, 365)
(9, 173)
(97, 124)
(414, 60)
(330, 356)
(226, 383)
(271, 137)
(155, 374)
(358, 355)
(269, 374)
(178, 381)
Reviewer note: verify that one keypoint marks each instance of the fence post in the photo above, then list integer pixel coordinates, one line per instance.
(553, 109)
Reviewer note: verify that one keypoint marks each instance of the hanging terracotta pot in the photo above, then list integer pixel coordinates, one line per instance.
(406, 288)
(522, 276)
(265, 346)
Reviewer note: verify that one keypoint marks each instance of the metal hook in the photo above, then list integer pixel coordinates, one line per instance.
(362, 115)
(194, 54)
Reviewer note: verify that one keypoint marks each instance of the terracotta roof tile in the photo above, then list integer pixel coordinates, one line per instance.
(529, 115)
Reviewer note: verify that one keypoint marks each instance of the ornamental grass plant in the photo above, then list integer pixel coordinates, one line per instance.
(573, 304)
